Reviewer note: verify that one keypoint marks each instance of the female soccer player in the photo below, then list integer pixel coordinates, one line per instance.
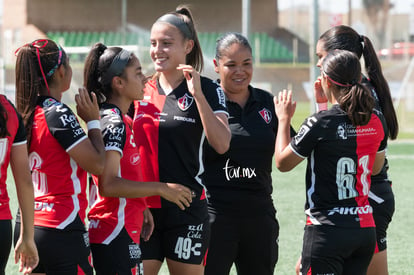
(14, 151)
(180, 111)
(340, 230)
(381, 197)
(117, 202)
(244, 229)
(60, 155)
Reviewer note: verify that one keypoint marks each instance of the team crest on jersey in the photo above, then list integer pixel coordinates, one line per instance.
(185, 102)
(266, 115)
(49, 102)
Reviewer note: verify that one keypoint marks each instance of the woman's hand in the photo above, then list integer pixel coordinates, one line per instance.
(192, 77)
(284, 106)
(26, 252)
(178, 194)
(86, 107)
(147, 225)
(320, 96)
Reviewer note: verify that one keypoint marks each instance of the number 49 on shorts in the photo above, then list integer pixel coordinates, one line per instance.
(184, 247)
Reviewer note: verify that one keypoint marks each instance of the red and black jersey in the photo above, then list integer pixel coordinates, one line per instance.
(169, 134)
(109, 215)
(59, 182)
(239, 182)
(16, 136)
(383, 175)
(340, 160)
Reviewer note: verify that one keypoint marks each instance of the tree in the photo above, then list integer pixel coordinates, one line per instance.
(378, 11)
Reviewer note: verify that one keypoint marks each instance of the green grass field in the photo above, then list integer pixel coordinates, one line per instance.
(289, 198)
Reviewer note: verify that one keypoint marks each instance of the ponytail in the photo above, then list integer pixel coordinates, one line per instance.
(358, 103)
(346, 38)
(381, 87)
(101, 66)
(91, 74)
(36, 64)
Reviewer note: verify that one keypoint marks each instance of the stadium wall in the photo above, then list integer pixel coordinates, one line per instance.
(105, 15)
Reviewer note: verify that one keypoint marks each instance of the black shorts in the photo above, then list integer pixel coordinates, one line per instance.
(61, 252)
(122, 256)
(5, 243)
(381, 198)
(179, 235)
(249, 242)
(335, 250)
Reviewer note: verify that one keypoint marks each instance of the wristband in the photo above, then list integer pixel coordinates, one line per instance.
(322, 106)
(93, 124)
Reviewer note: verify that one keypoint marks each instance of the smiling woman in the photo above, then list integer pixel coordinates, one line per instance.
(180, 112)
(118, 215)
(244, 228)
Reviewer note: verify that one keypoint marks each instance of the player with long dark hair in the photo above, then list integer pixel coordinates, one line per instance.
(13, 148)
(119, 214)
(180, 111)
(381, 196)
(60, 155)
(344, 146)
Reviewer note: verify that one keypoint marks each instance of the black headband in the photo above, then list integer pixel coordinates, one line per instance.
(176, 22)
(117, 66)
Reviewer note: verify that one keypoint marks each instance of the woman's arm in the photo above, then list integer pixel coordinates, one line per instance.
(111, 185)
(25, 249)
(216, 126)
(285, 158)
(89, 153)
(379, 162)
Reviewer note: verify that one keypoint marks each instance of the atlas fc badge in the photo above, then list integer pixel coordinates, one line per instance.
(185, 102)
(266, 115)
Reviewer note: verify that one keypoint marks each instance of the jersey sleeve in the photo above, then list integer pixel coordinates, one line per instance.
(113, 132)
(214, 95)
(21, 136)
(64, 125)
(309, 134)
(384, 142)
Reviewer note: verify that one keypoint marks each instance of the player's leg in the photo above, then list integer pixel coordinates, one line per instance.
(258, 250)
(224, 244)
(186, 239)
(378, 264)
(357, 263)
(122, 256)
(5, 243)
(381, 198)
(153, 249)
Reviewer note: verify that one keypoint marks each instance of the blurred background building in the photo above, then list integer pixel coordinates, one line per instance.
(282, 33)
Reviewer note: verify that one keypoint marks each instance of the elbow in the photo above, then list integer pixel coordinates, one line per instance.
(97, 170)
(282, 166)
(222, 148)
(104, 190)
(376, 170)
(223, 145)
(103, 193)
(98, 166)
